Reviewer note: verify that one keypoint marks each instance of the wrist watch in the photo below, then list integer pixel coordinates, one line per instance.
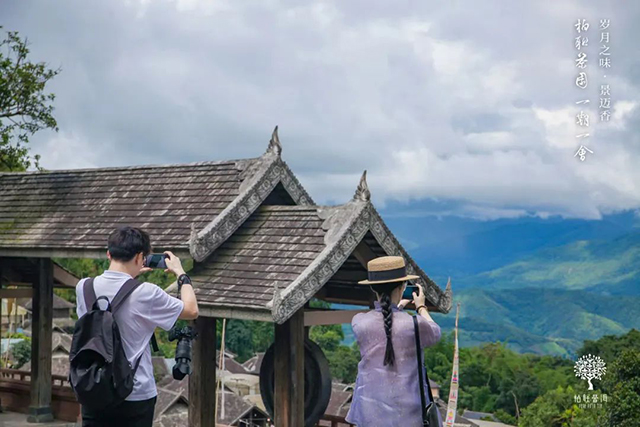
(421, 306)
(183, 279)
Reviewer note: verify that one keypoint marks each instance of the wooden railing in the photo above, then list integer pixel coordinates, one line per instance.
(58, 381)
(15, 394)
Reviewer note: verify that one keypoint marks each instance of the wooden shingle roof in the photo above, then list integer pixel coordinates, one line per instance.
(79, 208)
(275, 245)
(72, 212)
(283, 255)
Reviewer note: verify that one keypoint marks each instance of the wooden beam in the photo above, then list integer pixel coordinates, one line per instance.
(242, 313)
(364, 254)
(40, 409)
(202, 381)
(289, 372)
(16, 293)
(329, 317)
(349, 277)
(63, 277)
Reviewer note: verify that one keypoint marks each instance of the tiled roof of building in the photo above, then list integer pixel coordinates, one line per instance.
(275, 245)
(253, 365)
(79, 208)
(193, 206)
(173, 399)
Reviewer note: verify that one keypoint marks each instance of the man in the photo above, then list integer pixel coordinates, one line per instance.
(146, 308)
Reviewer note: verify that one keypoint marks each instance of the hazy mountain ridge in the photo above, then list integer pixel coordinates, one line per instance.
(548, 285)
(606, 267)
(546, 321)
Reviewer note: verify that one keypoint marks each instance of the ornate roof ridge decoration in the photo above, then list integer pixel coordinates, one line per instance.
(260, 177)
(346, 226)
(274, 144)
(362, 192)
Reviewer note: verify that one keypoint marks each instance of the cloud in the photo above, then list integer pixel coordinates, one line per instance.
(446, 101)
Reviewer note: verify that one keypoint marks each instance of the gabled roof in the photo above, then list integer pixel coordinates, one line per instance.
(281, 256)
(72, 212)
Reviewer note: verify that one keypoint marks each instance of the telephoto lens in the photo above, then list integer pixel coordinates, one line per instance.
(184, 336)
(183, 359)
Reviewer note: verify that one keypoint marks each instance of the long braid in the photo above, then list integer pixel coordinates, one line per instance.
(385, 304)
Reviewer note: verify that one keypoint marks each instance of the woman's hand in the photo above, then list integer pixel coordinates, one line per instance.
(403, 303)
(418, 300)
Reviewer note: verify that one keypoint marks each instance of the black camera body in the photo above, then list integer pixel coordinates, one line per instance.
(184, 336)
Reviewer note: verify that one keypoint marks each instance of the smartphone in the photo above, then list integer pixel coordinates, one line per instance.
(156, 261)
(409, 290)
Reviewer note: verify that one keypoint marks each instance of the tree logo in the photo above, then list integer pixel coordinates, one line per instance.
(589, 367)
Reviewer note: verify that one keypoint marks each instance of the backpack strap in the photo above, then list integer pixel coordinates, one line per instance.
(124, 293)
(154, 343)
(89, 293)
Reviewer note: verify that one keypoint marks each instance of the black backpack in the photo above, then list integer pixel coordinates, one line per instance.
(100, 374)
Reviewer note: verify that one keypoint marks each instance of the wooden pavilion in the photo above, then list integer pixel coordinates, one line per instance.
(262, 250)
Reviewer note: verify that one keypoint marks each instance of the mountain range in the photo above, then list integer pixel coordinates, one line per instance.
(540, 285)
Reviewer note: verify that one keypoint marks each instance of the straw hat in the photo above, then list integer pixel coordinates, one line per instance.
(387, 269)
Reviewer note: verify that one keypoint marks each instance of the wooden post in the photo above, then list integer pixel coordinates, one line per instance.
(41, 327)
(202, 381)
(289, 372)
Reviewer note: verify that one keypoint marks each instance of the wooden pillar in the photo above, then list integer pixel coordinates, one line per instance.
(41, 327)
(202, 381)
(289, 372)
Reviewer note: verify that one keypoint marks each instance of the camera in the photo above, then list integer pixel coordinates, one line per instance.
(156, 261)
(184, 336)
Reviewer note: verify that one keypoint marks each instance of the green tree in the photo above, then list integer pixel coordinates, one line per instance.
(622, 383)
(557, 408)
(21, 352)
(239, 339)
(609, 347)
(328, 337)
(343, 362)
(25, 108)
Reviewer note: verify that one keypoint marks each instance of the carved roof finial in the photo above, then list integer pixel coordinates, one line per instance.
(448, 295)
(274, 144)
(362, 192)
(277, 299)
(194, 234)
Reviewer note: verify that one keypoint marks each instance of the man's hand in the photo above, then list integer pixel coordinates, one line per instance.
(145, 270)
(173, 264)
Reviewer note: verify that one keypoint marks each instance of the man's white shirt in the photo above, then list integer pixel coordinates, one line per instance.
(146, 308)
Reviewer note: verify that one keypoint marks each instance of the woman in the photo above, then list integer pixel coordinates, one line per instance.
(387, 392)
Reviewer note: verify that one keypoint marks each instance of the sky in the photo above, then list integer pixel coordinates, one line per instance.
(463, 108)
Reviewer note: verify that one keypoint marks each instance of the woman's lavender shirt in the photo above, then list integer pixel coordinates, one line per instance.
(389, 396)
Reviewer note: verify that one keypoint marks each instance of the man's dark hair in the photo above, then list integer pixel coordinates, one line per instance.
(126, 242)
